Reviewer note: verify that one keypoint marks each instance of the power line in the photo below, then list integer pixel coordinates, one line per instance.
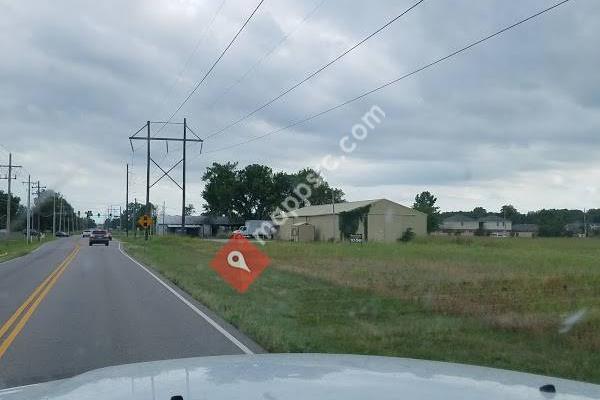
(213, 65)
(392, 82)
(316, 72)
(254, 66)
(201, 39)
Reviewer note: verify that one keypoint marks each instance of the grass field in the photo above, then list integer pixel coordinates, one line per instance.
(16, 246)
(485, 301)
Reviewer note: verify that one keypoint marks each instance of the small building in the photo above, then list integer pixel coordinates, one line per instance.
(303, 232)
(459, 224)
(525, 230)
(196, 225)
(374, 220)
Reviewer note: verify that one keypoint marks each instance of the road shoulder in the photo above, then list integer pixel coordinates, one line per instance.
(244, 343)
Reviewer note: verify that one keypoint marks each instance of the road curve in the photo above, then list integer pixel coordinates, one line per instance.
(95, 307)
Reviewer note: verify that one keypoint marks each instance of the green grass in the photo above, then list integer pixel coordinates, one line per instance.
(494, 302)
(15, 246)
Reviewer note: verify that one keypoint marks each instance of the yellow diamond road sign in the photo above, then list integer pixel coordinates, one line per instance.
(145, 221)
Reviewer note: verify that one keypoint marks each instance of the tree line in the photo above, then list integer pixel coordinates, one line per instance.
(551, 222)
(42, 213)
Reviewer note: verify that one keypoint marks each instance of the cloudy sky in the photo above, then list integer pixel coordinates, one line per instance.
(516, 120)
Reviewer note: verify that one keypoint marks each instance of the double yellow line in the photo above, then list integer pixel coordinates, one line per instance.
(31, 304)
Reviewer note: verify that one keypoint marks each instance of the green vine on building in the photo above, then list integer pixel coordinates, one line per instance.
(349, 220)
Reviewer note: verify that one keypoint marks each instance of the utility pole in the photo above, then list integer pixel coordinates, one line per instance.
(54, 214)
(127, 202)
(332, 215)
(133, 218)
(147, 210)
(164, 228)
(148, 138)
(9, 178)
(60, 218)
(183, 177)
(28, 209)
(28, 236)
(585, 233)
(39, 189)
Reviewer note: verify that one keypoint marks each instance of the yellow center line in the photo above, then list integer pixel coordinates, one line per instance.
(45, 288)
(23, 306)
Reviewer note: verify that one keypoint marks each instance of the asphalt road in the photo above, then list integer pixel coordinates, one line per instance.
(95, 307)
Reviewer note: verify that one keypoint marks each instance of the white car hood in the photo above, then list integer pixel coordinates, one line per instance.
(302, 377)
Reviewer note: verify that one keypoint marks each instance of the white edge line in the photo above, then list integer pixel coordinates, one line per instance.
(208, 319)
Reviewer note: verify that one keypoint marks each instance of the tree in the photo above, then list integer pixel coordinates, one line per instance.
(425, 202)
(508, 211)
(321, 192)
(189, 209)
(552, 222)
(89, 222)
(479, 212)
(14, 207)
(221, 189)
(254, 199)
(256, 191)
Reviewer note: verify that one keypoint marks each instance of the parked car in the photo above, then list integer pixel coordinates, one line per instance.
(86, 233)
(61, 234)
(99, 237)
(32, 232)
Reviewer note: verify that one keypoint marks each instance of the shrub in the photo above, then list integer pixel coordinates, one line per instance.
(407, 236)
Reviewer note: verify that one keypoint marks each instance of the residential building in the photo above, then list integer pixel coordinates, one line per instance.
(459, 224)
(493, 224)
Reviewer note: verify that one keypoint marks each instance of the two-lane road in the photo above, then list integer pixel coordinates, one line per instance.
(69, 308)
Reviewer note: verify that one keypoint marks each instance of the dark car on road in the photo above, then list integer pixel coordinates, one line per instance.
(62, 234)
(99, 237)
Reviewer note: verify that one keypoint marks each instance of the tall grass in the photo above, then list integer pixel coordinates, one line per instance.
(496, 302)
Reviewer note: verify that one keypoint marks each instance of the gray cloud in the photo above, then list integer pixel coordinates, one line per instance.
(78, 77)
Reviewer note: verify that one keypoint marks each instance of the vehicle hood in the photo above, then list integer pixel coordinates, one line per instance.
(302, 376)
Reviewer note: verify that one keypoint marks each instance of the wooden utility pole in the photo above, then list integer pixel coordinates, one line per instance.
(39, 189)
(28, 235)
(127, 202)
(333, 233)
(60, 217)
(9, 178)
(133, 218)
(54, 214)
